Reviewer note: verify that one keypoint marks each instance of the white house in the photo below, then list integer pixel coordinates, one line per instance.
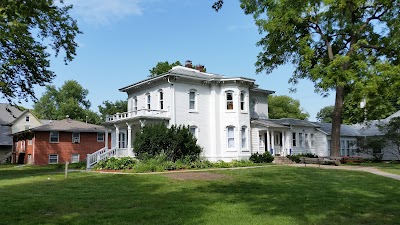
(228, 116)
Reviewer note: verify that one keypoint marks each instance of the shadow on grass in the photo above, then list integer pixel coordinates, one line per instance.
(313, 196)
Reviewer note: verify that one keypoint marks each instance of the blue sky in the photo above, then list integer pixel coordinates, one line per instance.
(123, 39)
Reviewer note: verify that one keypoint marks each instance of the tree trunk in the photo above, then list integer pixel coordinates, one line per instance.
(336, 122)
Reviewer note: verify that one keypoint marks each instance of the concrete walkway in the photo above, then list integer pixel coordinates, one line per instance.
(353, 168)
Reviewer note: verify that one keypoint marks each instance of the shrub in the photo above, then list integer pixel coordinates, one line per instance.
(177, 143)
(117, 163)
(294, 158)
(261, 158)
(308, 155)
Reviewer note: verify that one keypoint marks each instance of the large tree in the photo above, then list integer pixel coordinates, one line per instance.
(27, 28)
(349, 46)
(325, 114)
(111, 108)
(162, 67)
(69, 100)
(282, 106)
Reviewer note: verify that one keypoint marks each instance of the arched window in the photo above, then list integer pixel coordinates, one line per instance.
(229, 100)
(244, 137)
(192, 100)
(230, 134)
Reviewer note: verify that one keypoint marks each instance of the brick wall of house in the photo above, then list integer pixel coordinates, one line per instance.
(64, 148)
(22, 148)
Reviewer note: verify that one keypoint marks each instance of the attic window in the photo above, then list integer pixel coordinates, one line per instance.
(27, 118)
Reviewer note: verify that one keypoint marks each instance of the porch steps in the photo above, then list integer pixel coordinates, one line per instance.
(282, 160)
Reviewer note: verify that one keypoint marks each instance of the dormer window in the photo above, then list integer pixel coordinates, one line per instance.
(229, 100)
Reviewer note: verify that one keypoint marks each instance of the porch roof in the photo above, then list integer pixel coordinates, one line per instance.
(294, 122)
(266, 123)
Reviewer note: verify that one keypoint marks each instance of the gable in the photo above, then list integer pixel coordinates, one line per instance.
(21, 123)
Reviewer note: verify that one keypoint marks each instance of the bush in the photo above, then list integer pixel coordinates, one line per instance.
(261, 158)
(294, 158)
(308, 155)
(177, 143)
(117, 163)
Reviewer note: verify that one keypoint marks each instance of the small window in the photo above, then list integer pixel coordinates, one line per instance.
(193, 130)
(76, 137)
(74, 158)
(312, 140)
(148, 101)
(100, 137)
(161, 100)
(29, 141)
(294, 139)
(301, 139)
(244, 137)
(192, 100)
(54, 137)
(135, 104)
(306, 140)
(242, 101)
(27, 119)
(231, 137)
(229, 100)
(53, 159)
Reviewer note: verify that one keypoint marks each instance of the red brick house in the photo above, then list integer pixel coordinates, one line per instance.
(57, 141)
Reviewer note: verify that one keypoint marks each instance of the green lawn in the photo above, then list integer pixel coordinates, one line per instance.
(270, 195)
(386, 167)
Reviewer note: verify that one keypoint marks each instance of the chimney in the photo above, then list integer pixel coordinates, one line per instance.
(200, 68)
(188, 64)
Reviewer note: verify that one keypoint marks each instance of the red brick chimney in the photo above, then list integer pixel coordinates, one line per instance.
(200, 68)
(188, 64)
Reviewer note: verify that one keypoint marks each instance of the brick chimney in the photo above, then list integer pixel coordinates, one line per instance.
(200, 68)
(188, 64)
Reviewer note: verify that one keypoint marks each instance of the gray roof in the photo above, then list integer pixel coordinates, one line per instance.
(294, 122)
(345, 130)
(181, 70)
(266, 123)
(5, 139)
(69, 125)
(8, 114)
(262, 90)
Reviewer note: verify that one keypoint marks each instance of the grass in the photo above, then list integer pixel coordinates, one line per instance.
(393, 168)
(270, 195)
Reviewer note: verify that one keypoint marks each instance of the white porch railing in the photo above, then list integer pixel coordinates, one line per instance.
(142, 112)
(102, 154)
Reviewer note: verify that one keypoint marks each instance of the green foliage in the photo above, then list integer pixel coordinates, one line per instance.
(325, 115)
(294, 158)
(351, 47)
(27, 28)
(282, 106)
(308, 155)
(392, 134)
(372, 146)
(162, 67)
(176, 142)
(70, 99)
(112, 163)
(266, 157)
(111, 108)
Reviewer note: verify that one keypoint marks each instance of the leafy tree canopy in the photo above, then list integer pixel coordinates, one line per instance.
(282, 106)
(27, 28)
(111, 108)
(69, 100)
(325, 114)
(349, 46)
(162, 67)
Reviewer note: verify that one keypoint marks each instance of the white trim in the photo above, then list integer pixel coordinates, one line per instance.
(53, 159)
(58, 136)
(77, 139)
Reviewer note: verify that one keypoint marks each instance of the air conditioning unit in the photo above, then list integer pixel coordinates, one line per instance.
(76, 140)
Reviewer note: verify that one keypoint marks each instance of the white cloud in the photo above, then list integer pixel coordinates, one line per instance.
(101, 12)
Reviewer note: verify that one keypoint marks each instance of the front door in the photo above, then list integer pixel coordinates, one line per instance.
(21, 158)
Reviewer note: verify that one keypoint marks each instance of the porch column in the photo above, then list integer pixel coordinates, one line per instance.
(130, 153)
(272, 142)
(116, 136)
(268, 145)
(106, 138)
(283, 150)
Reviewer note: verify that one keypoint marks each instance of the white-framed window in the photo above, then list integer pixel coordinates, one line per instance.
(29, 141)
(76, 137)
(306, 140)
(53, 159)
(193, 130)
(301, 140)
(27, 119)
(161, 98)
(229, 100)
(148, 97)
(312, 140)
(100, 137)
(135, 104)
(244, 137)
(74, 158)
(54, 136)
(243, 101)
(192, 100)
(294, 139)
(121, 140)
(230, 137)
